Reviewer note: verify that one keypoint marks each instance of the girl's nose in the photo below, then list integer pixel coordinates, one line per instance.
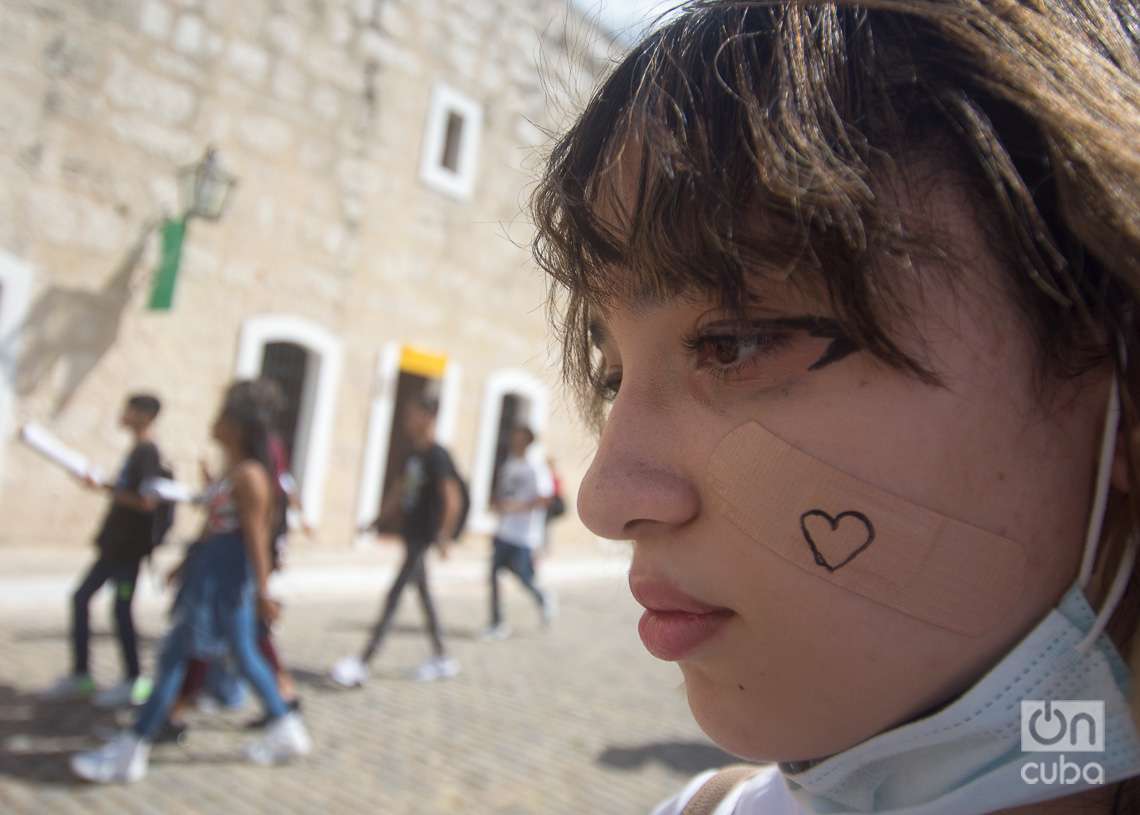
(636, 482)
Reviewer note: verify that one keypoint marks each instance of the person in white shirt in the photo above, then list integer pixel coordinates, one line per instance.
(523, 492)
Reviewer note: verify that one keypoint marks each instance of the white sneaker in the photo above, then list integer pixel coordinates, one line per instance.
(205, 703)
(436, 668)
(130, 692)
(549, 607)
(122, 760)
(284, 739)
(349, 672)
(500, 631)
(70, 688)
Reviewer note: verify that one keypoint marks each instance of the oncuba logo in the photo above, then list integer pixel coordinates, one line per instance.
(1062, 726)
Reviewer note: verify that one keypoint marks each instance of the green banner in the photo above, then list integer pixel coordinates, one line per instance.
(166, 276)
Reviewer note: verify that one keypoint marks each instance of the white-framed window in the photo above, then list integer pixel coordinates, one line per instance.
(451, 142)
(401, 372)
(511, 397)
(305, 359)
(16, 279)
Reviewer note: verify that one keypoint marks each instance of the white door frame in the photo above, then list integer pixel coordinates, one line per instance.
(500, 384)
(318, 403)
(16, 279)
(380, 418)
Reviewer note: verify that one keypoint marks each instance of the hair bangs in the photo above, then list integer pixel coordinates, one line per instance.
(715, 157)
(748, 142)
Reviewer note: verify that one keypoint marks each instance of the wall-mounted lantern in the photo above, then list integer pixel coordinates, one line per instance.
(204, 192)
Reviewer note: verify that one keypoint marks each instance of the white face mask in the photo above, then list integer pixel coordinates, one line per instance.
(968, 757)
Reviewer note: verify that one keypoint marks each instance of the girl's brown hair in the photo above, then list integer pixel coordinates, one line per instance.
(742, 141)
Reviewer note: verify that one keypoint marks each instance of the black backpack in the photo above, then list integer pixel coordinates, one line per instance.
(464, 502)
(164, 513)
(556, 508)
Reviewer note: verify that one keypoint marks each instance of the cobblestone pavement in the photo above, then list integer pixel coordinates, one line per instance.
(577, 719)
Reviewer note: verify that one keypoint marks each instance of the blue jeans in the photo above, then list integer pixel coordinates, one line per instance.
(517, 559)
(241, 635)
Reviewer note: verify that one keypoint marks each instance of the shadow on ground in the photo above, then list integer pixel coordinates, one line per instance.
(312, 679)
(682, 757)
(37, 737)
(404, 630)
(317, 679)
(38, 635)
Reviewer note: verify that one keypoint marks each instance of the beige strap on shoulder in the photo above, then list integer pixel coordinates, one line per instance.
(717, 788)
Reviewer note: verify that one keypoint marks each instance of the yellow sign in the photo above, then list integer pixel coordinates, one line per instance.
(422, 363)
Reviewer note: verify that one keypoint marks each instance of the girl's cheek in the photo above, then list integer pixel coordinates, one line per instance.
(862, 540)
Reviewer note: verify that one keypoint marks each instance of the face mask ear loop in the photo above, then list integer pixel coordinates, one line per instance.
(1115, 592)
(1100, 495)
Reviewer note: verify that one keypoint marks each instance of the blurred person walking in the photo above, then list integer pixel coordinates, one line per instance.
(128, 534)
(210, 684)
(523, 495)
(288, 496)
(224, 587)
(427, 501)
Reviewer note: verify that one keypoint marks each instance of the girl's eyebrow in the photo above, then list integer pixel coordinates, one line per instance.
(816, 326)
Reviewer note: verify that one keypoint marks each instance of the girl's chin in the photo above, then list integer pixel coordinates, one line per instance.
(752, 726)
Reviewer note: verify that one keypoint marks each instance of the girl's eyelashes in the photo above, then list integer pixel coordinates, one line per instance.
(729, 349)
(724, 354)
(725, 349)
(609, 382)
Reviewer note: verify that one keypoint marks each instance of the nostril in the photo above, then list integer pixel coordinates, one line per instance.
(632, 527)
(624, 491)
(625, 510)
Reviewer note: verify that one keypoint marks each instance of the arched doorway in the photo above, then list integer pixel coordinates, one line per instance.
(511, 397)
(402, 373)
(305, 359)
(287, 364)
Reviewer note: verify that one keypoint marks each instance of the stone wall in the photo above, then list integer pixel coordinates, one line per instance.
(319, 107)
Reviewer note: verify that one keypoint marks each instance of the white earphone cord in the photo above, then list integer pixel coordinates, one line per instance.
(1096, 527)
(1100, 494)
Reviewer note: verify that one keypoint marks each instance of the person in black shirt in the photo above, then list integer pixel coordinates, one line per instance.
(126, 536)
(427, 500)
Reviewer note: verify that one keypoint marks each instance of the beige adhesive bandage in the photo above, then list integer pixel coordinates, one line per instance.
(862, 538)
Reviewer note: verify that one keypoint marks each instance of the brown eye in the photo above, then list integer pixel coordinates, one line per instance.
(724, 350)
(723, 354)
(727, 350)
(607, 385)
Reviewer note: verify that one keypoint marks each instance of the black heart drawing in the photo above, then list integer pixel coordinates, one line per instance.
(834, 523)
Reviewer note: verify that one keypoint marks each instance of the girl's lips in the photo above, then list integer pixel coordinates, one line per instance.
(674, 623)
(670, 635)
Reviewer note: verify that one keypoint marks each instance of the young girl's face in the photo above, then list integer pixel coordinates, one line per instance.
(788, 665)
(224, 431)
